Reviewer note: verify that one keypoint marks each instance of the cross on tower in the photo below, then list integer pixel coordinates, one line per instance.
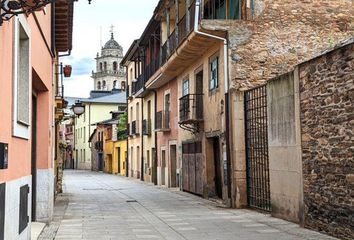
(112, 30)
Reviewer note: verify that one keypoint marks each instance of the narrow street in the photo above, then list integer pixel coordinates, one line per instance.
(103, 206)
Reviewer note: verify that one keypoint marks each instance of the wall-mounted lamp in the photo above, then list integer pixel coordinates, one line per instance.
(11, 8)
(78, 108)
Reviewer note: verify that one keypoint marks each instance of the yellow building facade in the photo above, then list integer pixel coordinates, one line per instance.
(120, 157)
(96, 110)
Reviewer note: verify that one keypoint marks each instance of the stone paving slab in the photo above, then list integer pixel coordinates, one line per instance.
(101, 206)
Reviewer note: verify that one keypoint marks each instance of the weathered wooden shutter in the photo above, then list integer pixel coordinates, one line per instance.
(24, 219)
(2, 210)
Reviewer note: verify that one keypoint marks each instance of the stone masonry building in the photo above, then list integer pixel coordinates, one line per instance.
(327, 133)
(109, 73)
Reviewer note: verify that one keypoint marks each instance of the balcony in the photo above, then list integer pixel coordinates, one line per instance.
(147, 127)
(163, 121)
(134, 128)
(110, 73)
(180, 33)
(138, 84)
(226, 9)
(99, 146)
(190, 45)
(191, 109)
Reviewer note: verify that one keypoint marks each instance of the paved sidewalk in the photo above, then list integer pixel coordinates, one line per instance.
(101, 206)
(36, 229)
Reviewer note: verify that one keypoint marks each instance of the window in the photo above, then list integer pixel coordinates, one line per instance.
(105, 66)
(123, 85)
(114, 84)
(101, 68)
(137, 111)
(103, 84)
(84, 134)
(98, 85)
(214, 74)
(131, 114)
(131, 74)
(185, 87)
(22, 71)
(148, 158)
(115, 66)
(167, 110)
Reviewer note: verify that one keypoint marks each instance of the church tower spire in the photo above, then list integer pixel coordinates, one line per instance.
(109, 75)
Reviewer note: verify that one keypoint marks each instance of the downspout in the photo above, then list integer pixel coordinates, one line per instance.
(226, 84)
(142, 142)
(155, 160)
(128, 132)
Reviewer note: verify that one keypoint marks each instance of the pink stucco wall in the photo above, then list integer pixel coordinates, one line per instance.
(20, 149)
(163, 138)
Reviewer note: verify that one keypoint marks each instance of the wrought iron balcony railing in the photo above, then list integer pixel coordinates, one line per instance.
(191, 108)
(99, 146)
(146, 127)
(134, 128)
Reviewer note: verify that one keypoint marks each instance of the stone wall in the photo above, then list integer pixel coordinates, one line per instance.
(282, 34)
(327, 122)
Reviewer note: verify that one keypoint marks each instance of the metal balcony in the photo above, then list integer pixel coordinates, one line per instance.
(134, 128)
(191, 109)
(146, 127)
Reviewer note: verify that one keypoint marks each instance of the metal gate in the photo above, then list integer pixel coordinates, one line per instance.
(257, 158)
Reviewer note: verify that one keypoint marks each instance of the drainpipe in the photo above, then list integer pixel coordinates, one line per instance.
(226, 84)
(142, 142)
(154, 163)
(128, 133)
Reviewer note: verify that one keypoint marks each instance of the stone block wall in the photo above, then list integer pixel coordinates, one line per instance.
(281, 35)
(327, 123)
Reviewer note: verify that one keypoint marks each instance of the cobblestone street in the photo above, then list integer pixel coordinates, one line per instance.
(102, 206)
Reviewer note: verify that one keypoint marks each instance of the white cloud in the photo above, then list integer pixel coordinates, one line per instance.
(129, 17)
(79, 87)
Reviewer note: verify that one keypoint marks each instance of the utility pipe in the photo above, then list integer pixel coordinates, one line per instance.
(226, 85)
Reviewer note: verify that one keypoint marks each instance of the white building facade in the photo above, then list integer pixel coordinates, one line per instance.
(109, 74)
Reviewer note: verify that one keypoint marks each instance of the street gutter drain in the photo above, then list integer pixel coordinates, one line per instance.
(131, 201)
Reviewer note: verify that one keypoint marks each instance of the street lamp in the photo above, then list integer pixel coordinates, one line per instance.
(78, 108)
(11, 8)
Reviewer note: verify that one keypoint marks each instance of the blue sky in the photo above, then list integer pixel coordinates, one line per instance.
(91, 24)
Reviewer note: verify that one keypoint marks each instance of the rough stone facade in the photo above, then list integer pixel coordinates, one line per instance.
(327, 122)
(282, 34)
